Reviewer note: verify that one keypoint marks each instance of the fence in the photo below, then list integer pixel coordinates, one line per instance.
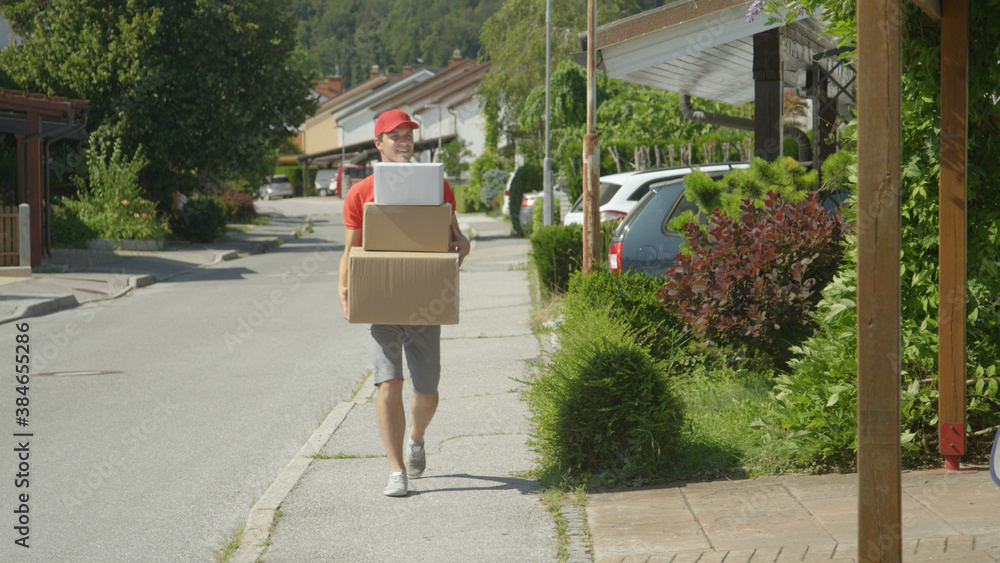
(10, 247)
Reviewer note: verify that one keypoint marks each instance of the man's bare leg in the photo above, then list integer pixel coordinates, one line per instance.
(391, 421)
(423, 408)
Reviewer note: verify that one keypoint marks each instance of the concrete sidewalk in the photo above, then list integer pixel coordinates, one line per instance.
(473, 502)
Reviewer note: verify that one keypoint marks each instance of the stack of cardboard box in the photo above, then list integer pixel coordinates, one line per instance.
(404, 273)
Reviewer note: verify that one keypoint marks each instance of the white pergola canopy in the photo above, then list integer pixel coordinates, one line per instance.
(705, 49)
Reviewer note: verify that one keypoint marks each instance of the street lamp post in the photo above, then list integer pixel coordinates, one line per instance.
(547, 203)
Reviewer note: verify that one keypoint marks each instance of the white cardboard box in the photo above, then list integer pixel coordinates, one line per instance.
(409, 183)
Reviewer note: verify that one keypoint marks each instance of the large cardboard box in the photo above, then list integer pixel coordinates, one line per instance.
(404, 288)
(409, 183)
(410, 228)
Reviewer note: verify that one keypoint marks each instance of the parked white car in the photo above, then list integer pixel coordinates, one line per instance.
(277, 186)
(618, 193)
(326, 181)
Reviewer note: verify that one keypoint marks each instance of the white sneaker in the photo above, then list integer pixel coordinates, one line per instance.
(397, 484)
(416, 461)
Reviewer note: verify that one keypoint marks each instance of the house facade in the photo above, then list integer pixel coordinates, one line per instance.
(442, 100)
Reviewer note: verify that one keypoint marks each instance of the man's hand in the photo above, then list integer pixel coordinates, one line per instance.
(459, 243)
(342, 293)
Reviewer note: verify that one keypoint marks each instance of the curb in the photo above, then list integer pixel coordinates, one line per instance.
(43, 308)
(143, 280)
(257, 530)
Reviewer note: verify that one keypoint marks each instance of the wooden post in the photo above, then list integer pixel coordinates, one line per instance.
(769, 97)
(878, 299)
(591, 155)
(952, 215)
(34, 183)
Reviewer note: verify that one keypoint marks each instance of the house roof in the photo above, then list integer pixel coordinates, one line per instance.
(324, 88)
(345, 98)
(373, 96)
(702, 48)
(454, 83)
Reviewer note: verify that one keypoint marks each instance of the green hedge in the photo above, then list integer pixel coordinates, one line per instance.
(557, 252)
(294, 174)
(527, 178)
(632, 298)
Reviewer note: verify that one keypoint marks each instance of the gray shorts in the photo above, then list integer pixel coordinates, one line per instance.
(422, 346)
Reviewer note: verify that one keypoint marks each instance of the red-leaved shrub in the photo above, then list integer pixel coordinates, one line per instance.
(239, 205)
(751, 282)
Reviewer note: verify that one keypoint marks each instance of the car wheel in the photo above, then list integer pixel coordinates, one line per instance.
(322, 193)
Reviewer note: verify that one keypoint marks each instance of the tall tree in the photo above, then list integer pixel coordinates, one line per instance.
(205, 86)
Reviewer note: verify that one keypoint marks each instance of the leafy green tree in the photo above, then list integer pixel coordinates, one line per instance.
(453, 155)
(627, 114)
(514, 40)
(204, 87)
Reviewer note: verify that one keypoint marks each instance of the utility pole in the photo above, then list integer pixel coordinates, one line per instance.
(547, 203)
(591, 154)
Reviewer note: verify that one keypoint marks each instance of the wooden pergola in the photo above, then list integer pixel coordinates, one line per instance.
(37, 120)
(879, 309)
(878, 301)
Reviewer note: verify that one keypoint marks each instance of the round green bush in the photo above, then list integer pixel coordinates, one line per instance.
(603, 408)
(202, 219)
(557, 252)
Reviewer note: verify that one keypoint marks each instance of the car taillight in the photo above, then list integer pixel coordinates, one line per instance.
(615, 257)
(611, 215)
(527, 201)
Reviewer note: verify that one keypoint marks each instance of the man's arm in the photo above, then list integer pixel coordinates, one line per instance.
(352, 237)
(458, 241)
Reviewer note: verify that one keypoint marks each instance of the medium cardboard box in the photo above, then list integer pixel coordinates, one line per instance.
(410, 228)
(403, 288)
(409, 183)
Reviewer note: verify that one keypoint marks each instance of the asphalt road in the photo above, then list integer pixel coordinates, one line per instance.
(166, 413)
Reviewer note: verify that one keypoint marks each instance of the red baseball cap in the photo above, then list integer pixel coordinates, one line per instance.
(392, 119)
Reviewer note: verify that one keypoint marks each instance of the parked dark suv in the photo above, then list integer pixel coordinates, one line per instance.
(644, 242)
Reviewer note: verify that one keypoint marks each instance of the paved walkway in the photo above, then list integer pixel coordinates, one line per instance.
(946, 517)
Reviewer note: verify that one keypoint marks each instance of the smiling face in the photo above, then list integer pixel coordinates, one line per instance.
(396, 145)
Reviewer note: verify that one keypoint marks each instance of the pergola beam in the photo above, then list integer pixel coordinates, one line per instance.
(930, 7)
(952, 224)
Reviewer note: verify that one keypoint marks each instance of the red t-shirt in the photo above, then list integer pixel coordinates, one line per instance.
(364, 191)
